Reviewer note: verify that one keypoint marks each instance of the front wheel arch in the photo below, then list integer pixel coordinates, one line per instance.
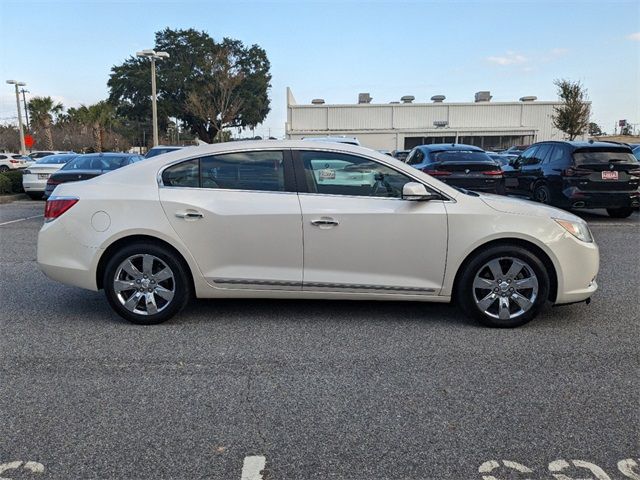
(508, 242)
(123, 242)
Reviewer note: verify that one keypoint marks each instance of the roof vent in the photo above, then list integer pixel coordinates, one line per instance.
(483, 96)
(408, 99)
(364, 98)
(394, 103)
(318, 101)
(438, 98)
(528, 99)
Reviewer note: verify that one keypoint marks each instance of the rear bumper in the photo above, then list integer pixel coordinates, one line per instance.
(602, 199)
(485, 184)
(33, 184)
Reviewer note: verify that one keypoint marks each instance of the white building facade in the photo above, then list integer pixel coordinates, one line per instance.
(401, 126)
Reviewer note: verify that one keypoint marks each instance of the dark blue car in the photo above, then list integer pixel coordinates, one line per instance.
(459, 165)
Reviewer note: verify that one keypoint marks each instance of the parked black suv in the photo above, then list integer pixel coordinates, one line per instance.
(578, 175)
(459, 165)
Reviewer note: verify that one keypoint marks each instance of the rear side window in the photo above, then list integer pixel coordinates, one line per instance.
(263, 171)
(416, 158)
(259, 171)
(185, 174)
(596, 156)
(557, 153)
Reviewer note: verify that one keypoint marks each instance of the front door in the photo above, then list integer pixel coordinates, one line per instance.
(360, 236)
(239, 216)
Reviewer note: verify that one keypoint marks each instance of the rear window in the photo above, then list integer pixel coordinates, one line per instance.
(460, 156)
(593, 156)
(55, 159)
(90, 162)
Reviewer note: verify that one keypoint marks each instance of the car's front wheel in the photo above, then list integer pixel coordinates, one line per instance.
(146, 284)
(622, 212)
(504, 286)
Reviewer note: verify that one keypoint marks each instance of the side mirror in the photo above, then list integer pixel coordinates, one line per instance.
(417, 192)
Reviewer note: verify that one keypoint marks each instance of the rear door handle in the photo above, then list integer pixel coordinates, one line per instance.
(189, 215)
(325, 222)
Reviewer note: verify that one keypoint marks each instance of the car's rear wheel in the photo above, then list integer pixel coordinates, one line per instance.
(622, 212)
(146, 284)
(4, 168)
(542, 194)
(504, 286)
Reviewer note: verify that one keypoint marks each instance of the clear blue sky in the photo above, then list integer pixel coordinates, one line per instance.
(334, 50)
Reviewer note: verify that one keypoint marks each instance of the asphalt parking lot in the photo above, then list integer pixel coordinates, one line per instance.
(315, 390)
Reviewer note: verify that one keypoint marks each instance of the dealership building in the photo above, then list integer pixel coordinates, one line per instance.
(404, 124)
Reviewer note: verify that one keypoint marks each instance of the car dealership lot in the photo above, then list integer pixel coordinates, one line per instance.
(319, 389)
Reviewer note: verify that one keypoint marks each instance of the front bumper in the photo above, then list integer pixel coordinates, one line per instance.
(578, 267)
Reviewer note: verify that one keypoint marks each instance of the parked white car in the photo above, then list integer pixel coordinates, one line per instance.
(11, 161)
(296, 219)
(34, 178)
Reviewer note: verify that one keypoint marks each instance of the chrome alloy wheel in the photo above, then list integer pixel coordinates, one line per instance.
(144, 284)
(505, 288)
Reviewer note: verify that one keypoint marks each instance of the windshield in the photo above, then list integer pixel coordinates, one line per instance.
(159, 151)
(98, 162)
(597, 156)
(461, 156)
(55, 159)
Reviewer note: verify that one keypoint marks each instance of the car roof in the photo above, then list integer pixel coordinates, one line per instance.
(449, 146)
(111, 154)
(582, 144)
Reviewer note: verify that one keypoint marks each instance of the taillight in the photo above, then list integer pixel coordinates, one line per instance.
(492, 172)
(576, 172)
(437, 173)
(52, 181)
(15, 161)
(56, 206)
(634, 173)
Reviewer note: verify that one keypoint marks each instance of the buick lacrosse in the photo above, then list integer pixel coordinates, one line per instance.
(314, 220)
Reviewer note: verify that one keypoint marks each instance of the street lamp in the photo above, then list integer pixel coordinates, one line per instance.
(23, 149)
(153, 56)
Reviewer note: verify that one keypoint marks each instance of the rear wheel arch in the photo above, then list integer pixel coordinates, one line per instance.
(509, 242)
(130, 240)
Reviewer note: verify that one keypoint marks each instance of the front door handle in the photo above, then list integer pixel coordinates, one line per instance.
(325, 222)
(189, 215)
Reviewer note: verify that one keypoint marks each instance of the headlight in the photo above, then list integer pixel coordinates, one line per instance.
(580, 230)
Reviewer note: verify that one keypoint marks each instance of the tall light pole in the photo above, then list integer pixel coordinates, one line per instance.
(26, 111)
(153, 56)
(23, 148)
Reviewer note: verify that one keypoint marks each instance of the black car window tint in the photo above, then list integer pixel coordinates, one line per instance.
(260, 171)
(184, 174)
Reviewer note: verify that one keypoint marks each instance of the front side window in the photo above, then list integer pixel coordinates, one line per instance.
(418, 157)
(341, 174)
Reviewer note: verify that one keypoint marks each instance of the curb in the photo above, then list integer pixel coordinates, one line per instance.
(13, 198)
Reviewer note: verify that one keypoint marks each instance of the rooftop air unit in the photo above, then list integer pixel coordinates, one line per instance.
(318, 101)
(408, 99)
(364, 98)
(528, 99)
(438, 98)
(484, 96)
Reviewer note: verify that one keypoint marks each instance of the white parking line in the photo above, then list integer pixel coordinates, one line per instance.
(252, 467)
(20, 220)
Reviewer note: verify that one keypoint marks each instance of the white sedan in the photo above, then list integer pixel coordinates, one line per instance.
(34, 178)
(296, 219)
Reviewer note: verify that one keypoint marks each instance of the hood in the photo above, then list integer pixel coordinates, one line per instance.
(517, 206)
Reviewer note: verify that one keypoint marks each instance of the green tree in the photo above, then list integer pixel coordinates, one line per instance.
(208, 85)
(41, 112)
(594, 129)
(98, 116)
(572, 117)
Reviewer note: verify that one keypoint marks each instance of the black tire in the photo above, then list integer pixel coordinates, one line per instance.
(35, 195)
(622, 212)
(4, 168)
(464, 293)
(180, 282)
(542, 194)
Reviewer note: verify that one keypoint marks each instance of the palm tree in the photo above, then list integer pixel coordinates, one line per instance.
(98, 117)
(42, 110)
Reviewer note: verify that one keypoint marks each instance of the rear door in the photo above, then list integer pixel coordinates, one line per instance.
(360, 236)
(239, 216)
(531, 169)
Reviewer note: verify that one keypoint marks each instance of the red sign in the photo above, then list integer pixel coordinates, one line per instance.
(28, 141)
